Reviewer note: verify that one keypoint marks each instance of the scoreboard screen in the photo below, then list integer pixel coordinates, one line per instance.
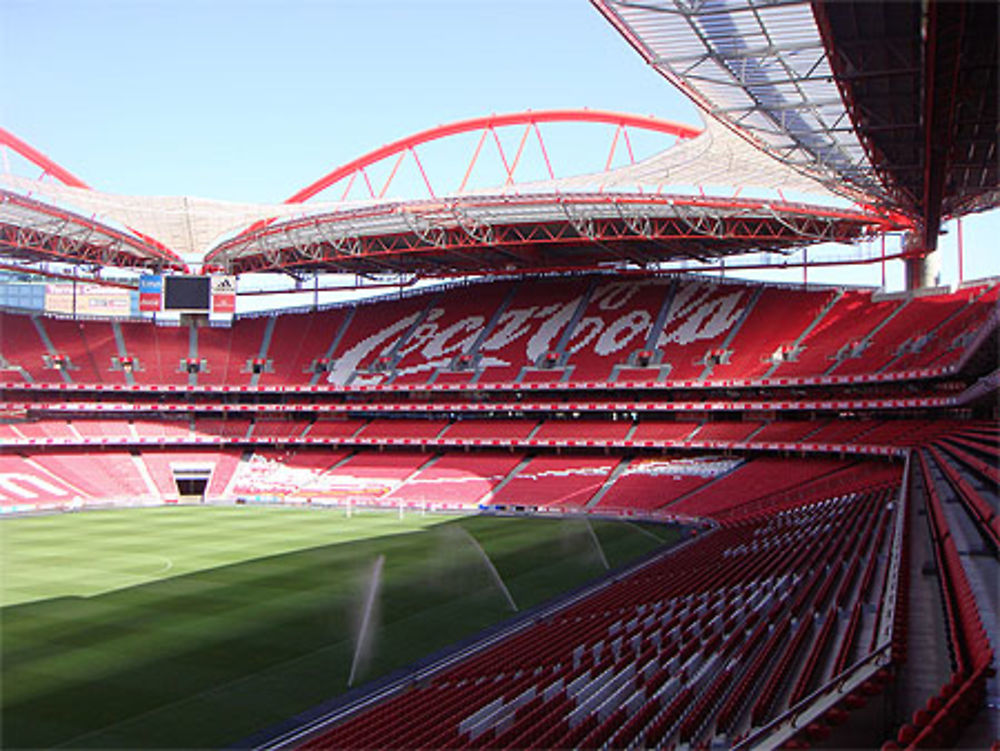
(187, 293)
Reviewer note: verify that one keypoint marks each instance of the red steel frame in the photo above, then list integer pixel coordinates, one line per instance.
(39, 159)
(442, 237)
(488, 125)
(69, 250)
(454, 241)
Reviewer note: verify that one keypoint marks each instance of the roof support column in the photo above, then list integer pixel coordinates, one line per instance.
(923, 266)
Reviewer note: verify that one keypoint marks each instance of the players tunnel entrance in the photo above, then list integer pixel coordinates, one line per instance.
(192, 482)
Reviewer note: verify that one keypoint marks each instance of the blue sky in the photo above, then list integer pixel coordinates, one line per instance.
(249, 101)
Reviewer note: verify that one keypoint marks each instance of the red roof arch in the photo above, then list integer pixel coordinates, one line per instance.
(41, 161)
(488, 123)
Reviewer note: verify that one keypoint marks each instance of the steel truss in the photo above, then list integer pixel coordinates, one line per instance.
(38, 231)
(505, 233)
(395, 152)
(760, 67)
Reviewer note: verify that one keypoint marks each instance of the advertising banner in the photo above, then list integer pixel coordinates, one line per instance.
(150, 293)
(90, 300)
(223, 294)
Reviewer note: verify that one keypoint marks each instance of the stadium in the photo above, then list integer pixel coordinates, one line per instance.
(557, 466)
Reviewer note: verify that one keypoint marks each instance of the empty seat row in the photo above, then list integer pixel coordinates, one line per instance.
(669, 654)
(587, 329)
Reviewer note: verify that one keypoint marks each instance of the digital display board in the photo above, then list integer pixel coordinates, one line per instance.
(187, 293)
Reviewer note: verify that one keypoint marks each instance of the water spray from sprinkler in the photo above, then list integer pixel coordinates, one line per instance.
(597, 544)
(492, 569)
(361, 647)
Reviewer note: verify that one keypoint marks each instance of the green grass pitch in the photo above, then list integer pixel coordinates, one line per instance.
(192, 627)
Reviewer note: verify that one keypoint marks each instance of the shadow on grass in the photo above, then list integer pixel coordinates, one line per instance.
(203, 659)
